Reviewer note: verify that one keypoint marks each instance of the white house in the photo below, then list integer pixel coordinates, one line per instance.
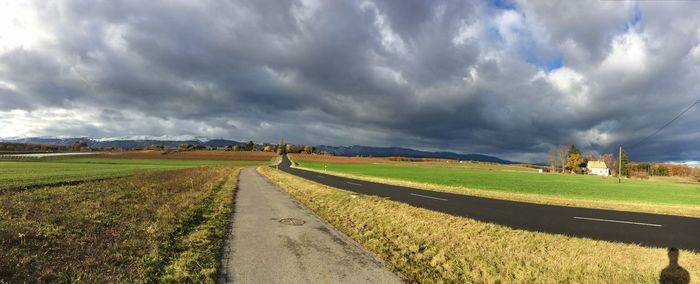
(597, 168)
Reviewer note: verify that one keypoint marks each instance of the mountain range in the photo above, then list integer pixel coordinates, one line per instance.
(125, 142)
(132, 142)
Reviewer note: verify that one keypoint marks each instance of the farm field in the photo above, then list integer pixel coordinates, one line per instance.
(415, 162)
(425, 245)
(163, 226)
(32, 173)
(513, 183)
(476, 166)
(192, 155)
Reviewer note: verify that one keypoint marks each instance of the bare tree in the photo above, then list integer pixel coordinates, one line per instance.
(591, 156)
(562, 156)
(557, 158)
(552, 159)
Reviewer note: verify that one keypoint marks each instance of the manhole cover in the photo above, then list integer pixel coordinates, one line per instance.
(292, 221)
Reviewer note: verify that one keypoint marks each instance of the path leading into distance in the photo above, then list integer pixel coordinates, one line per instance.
(276, 240)
(640, 228)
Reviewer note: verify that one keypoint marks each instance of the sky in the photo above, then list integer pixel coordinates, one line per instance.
(507, 78)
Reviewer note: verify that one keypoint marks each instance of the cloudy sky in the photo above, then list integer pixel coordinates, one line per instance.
(509, 78)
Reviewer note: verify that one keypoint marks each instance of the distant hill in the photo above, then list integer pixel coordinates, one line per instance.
(124, 142)
(46, 140)
(405, 152)
(132, 142)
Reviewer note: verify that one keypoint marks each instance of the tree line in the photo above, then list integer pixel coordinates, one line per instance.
(8, 147)
(570, 159)
(645, 169)
(279, 148)
(44, 148)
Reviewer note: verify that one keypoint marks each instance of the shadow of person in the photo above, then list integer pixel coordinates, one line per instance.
(674, 273)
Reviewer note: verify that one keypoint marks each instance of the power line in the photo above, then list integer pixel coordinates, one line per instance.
(664, 126)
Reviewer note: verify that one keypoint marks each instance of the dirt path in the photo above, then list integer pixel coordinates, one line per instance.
(266, 247)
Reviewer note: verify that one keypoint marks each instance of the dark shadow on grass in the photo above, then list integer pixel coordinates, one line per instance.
(674, 273)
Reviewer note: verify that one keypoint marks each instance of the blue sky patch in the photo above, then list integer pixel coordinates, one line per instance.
(502, 4)
(545, 62)
(556, 63)
(636, 18)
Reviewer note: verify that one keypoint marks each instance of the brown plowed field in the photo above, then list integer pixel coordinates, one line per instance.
(192, 155)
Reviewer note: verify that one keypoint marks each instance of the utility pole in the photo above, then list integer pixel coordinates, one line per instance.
(619, 166)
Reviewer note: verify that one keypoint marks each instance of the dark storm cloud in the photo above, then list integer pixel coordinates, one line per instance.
(458, 75)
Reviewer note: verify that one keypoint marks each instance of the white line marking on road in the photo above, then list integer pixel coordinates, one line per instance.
(353, 183)
(618, 221)
(431, 197)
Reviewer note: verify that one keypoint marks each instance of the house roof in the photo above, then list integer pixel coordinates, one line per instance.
(597, 164)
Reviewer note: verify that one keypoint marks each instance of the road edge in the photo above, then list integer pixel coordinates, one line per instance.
(225, 255)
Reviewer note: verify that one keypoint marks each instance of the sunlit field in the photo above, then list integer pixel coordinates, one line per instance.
(55, 171)
(192, 155)
(416, 162)
(571, 187)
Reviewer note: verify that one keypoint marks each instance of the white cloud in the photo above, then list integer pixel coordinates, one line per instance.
(695, 52)
(20, 25)
(569, 82)
(467, 33)
(8, 85)
(72, 122)
(510, 24)
(391, 41)
(304, 11)
(114, 37)
(628, 54)
(594, 136)
(35, 123)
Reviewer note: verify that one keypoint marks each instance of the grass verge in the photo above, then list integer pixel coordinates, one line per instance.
(165, 226)
(689, 210)
(433, 247)
(198, 241)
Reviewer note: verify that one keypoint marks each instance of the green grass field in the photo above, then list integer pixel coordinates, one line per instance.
(480, 166)
(31, 173)
(558, 185)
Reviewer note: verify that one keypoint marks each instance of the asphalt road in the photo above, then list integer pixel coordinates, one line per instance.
(640, 228)
(276, 240)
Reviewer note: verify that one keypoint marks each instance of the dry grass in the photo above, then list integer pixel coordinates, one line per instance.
(151, 227)
(690, 211)
(676, 179)
(191, 155)
(433, 247)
